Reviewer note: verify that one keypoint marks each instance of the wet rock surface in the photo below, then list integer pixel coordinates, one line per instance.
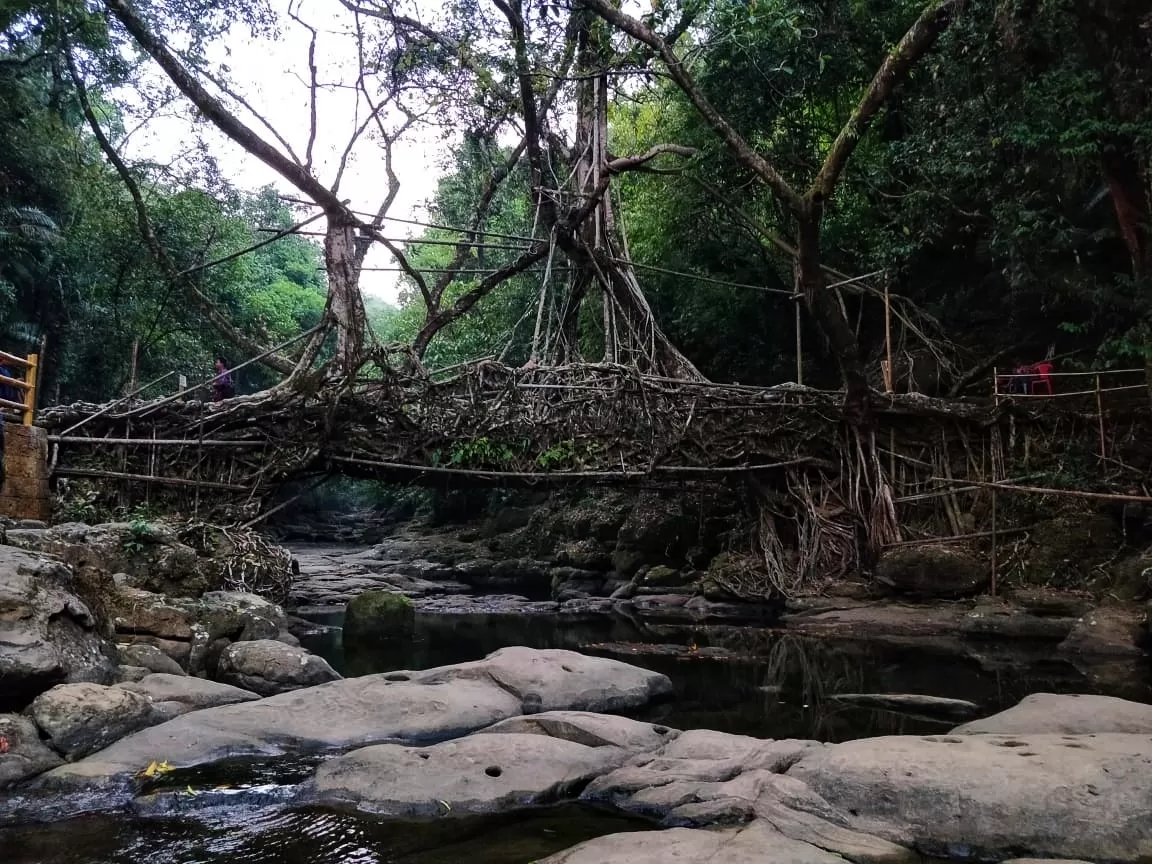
(268, 667)
(25, 755)
(408, 707)
(1065, 715)
(179, 694)
(47, 633)
(79, 719)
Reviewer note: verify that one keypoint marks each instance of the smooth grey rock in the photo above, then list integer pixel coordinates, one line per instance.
(47, 634)
(473, 775)
(1064, 796)
(399, 707)
(269, 667)
(150, 657)
(591, 730)
(756, 843)
(1066, 715)
(911, 703)
(82, 718)
(564, 680)
(24, 754)
(125, 674)
(191, 694)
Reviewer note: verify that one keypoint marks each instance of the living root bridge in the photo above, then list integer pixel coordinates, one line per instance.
(827, 495)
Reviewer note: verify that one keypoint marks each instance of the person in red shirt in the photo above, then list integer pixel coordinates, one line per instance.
(1042, 383)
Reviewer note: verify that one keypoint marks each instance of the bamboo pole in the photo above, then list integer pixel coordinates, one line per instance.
(1040, 490)
(887, 338)
(799, 346)
(119, 401)
(156, 442)
(148, 478)
(1100, 419)
(30, 393)
(993, 533)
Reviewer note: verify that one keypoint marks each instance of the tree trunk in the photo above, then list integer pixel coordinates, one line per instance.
(345, 302)
(824, 308)
(1128, 186)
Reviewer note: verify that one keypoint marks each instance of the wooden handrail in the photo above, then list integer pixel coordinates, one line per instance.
(5, 357)
(31, 363)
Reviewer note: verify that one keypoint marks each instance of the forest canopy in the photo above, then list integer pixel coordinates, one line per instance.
(668, 186)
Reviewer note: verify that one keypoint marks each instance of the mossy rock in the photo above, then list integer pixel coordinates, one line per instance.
(930, 572)
(379, 616)
(663, 575)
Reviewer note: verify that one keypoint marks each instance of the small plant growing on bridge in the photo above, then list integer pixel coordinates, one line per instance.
(565, 454)
(482, 453)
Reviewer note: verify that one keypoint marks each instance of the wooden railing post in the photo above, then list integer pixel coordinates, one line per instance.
(30, 393)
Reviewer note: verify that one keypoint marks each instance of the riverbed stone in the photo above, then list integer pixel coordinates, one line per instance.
(1065, 714)
(1110, 630)
(47, 634)
(22, 753)
(936, 707)
(379, 616)
(148, 656)
(185, 693)
(474, 775)
(268, 667)
(1061, 796)
(417, 708)
(589, 729)
(562, 680)
(756, 843)
(932, 571)
(79, 719)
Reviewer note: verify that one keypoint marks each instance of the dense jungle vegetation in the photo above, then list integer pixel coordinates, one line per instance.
(1002, 189)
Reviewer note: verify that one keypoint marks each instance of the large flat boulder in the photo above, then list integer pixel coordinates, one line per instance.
(756, 843)
(1065, 715)
(179, 694)
(553, 679)
(589, 729)
(268, 667)
(22, 753)
(474, 775)
(79, 719)
(401, 707)
(1046, 795)
(47, 634)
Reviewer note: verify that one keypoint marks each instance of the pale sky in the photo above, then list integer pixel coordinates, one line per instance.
(272, 76)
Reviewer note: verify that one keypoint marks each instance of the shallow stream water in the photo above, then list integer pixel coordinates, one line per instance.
(739, 679)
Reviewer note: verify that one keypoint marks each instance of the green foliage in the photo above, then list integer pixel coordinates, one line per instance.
(140, 536)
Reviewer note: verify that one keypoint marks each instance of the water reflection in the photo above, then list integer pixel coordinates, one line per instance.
(309, 837)
(746, 680)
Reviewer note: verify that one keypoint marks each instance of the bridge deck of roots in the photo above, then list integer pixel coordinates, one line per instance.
(828, 493)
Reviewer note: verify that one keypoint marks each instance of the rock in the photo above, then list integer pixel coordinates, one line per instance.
(1110, 630)
(24, 754)
(474, 775)
(268, 667)
(564, 680)
(82, 718)
(126, 674)
(589, 729)
(150, 657)
(1061, 796)
(932, 572)
(47, 634)
(658, 530)
(195, 631)
(158, 557)
(406, 707)
(1065, 715)
(1040, 601)
(699, 765)
(756, 843)
(190, 694)
(935, 707)
(663, 576)
(379, 616)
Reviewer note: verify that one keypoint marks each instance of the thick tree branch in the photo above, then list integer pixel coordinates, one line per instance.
(216, 112)
(159, 253)
(748, 157)
(632, 163)
(921, 36)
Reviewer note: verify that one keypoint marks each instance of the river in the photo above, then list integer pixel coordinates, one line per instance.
(740, 679)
